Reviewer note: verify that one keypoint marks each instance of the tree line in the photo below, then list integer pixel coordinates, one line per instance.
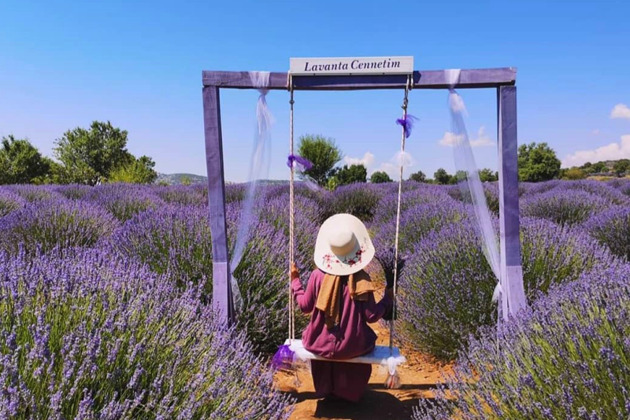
(536, 162)
(324, 154)
(99, 154)
(89, 156)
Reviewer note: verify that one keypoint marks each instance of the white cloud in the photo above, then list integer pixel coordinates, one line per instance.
(595, 132)
(367, 160)
(451, 139)
(392, 168)
(612, 151)
(482, 138)
(620, 111)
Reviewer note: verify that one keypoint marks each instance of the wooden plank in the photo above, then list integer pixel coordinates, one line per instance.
(221, 291)
(378, 356)
(430, 79)
(509, 223)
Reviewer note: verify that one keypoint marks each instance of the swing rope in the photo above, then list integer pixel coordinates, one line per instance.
(400, 180)
(291, 216)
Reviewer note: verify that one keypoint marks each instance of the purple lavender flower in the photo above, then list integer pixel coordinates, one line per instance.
(196, 195)
(491, 192)
(356, 199)
(535, 188)
(234, 192)
(446, 284)
(263, 274)
(73, 191)
(564, 358)
(554, 255)
(10, 201)
(446, 291)
(34, 193)
(415, 223)
(175, 241)
(124, 200)
(413, 193)
(602, 189)
(612, 228)
(56, 223)
(126, 344)
(564, 206)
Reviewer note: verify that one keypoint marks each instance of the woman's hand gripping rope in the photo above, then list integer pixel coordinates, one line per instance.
(293, 272)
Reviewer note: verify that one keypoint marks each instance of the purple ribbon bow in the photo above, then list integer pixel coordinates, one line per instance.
(298, 162)
(407, 124)
(283, 358)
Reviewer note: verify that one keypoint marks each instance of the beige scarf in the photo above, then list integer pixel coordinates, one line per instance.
(331, 293)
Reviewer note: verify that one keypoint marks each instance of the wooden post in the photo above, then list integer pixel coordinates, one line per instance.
(511, 269)
(222, 301)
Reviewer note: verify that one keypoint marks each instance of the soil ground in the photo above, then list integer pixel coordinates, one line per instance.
(419, 377)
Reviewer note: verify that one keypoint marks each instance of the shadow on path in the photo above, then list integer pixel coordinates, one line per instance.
(374, 405)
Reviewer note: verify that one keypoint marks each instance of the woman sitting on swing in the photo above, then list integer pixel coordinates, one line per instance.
(340, 296)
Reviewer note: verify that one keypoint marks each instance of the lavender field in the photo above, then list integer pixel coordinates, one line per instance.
(104, 300)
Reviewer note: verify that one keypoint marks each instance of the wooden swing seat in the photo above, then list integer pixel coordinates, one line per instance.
(378, 356)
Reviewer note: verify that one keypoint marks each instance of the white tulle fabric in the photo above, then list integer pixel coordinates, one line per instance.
(259, 169)
(465, 162)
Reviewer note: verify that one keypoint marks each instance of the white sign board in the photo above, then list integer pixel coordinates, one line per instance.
(351, 65)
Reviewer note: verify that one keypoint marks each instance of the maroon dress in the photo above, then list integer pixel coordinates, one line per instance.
(351, 338)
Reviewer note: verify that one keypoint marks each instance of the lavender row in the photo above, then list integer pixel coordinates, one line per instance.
(566, 358)
(166, 228)
(85, 334)
(446, 286)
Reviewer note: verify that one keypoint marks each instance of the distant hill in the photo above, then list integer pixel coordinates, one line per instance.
(176, 179)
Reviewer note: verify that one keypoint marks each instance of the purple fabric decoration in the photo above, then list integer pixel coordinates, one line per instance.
(283, 359)
(302, 164)
(407, 124)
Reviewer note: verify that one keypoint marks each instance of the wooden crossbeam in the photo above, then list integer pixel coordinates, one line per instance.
(429, 79)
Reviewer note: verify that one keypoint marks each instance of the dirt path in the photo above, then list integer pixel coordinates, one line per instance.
(418, 376)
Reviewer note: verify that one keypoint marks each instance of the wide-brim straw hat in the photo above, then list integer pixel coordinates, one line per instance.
(343, 245)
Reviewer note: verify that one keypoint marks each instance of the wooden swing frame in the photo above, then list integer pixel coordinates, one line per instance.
(502, 79)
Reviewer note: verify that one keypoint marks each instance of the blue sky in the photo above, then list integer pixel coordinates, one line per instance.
(138, 64)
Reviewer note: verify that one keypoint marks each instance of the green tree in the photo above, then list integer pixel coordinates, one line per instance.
(574, 173)
(58, 174)
(323, 154)
(537, 162)
(140, 171)
(486, 175)
(89, 156)
(351, 174)
(599, 167)
(621, 166)
(379, 177)
(442, 177)
(21, 162)
(418, 177)
(332, 183)
(459, 176)
(587, 168)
